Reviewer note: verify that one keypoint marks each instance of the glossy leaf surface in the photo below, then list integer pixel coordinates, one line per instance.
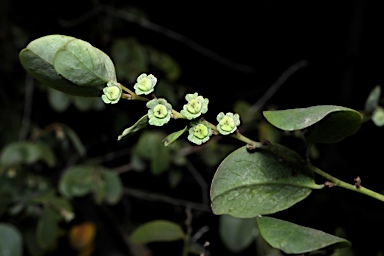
(250, 184)
(324, 124)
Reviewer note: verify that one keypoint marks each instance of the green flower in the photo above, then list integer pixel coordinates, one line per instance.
(112, 92)
(145, 84)
(159, 112)
(196, 106)
(227, 123)
(200, 132)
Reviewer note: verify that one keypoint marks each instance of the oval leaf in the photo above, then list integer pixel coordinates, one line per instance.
(77, 181)
(47, 228)
(324, 124)
(37, 60)
(113, 187)
(157, 231)
(237, 233)
(295, 239)
(11, 243)
(27, 153)
(140, 124)
(81, 63)
(373, 99)
(250, 184)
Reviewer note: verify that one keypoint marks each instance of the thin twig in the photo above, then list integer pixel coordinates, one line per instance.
(165, 199)
(26, 121)
(274, 87)
(200, 180)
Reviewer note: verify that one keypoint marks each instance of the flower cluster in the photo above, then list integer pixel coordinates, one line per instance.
(145, 84)
(112, 92)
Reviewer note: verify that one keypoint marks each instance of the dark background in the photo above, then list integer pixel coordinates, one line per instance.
(341, 41)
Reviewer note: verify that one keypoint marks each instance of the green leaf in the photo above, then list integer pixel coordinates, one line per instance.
(324, 124)
(113, 187)
(150, 147)
(140, 124)
(250, 184)
(77, 180)
(171, 138)
(11, 243)
(378, 116)
(27, 153)
(47, 228)
(157, 231)
(237, 233)
(373, 99)
(37, 60)
(295, 239)
(81, 63)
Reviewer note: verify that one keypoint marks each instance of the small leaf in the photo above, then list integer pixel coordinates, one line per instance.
(250, 184)
(113, 187)
(373, 99)
(37, 60)
(295, 239)
(28, 153)
(324, 124)
(157, 231)
(11, 242)
(171, 138)
(47, 228)
(378, 116)
(77, 181)
(237, 233)
(140, 124)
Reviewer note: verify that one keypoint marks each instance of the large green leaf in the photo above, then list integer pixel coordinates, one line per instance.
(157, 231)
(81, 63)
(27, 153)
(250, 184)
(11, 243)
(295, 239)
(37, 60)
(324, 124)
(237, 233)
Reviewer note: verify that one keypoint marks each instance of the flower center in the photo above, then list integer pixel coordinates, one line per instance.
(200, 131)
(227, 124)
(145, 84)
(160, 111)
(112, 92)
(194, 106)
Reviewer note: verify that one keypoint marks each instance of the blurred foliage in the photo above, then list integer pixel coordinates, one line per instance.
(65, 182)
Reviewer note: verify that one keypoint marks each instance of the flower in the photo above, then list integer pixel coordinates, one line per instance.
(159, 112)
(145, 84)
(227, 123)
(112, 92)
(200, 132)
(196, 106)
